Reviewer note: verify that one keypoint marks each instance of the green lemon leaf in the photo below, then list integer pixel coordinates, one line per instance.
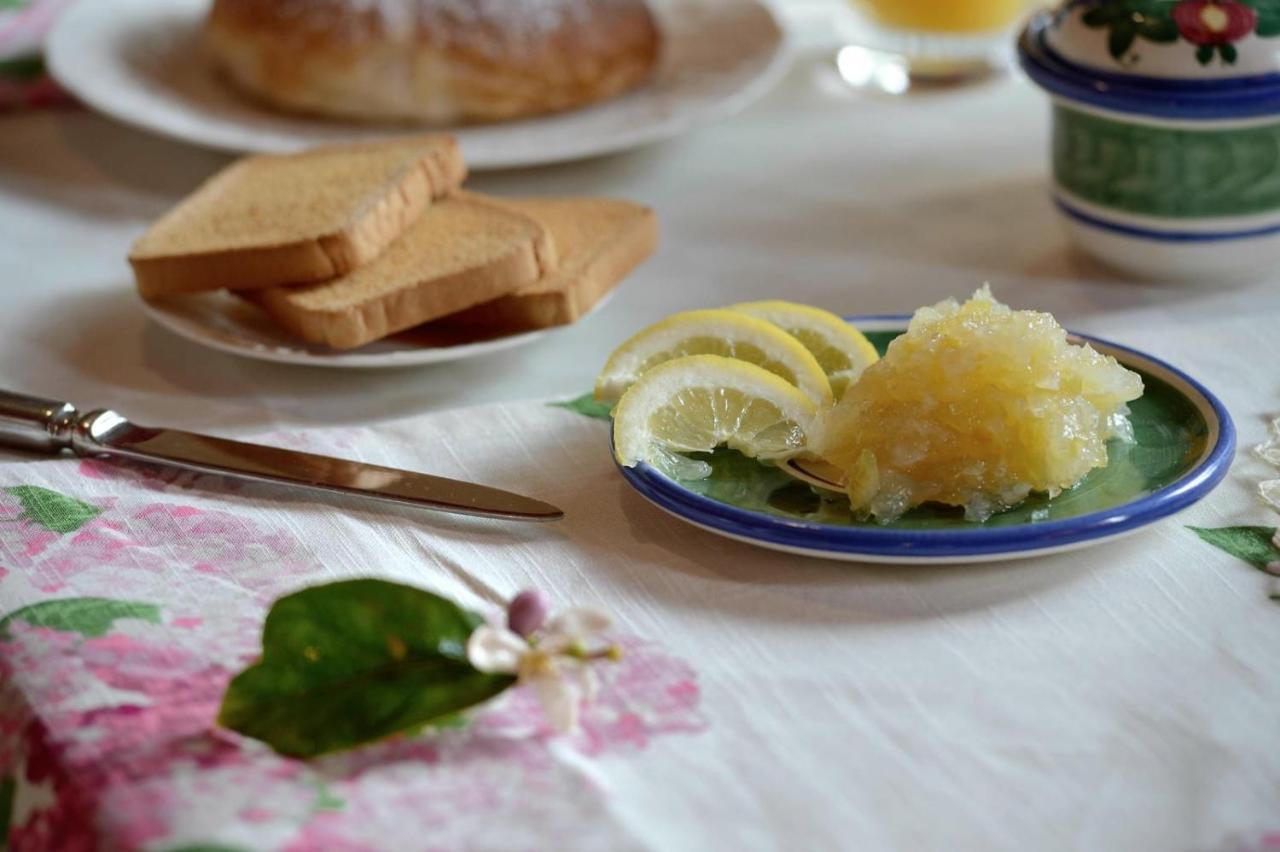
(587, 406)
(1254, 545)
(89, 617)
(53, 511)
(351, 662)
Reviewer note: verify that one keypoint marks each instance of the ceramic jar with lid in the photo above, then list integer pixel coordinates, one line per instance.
(1166, 131)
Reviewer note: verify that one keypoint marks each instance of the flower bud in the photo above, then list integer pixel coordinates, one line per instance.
(527, 612)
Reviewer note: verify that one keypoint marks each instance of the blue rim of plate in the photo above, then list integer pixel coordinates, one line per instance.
(980, 541)
(1251, 96)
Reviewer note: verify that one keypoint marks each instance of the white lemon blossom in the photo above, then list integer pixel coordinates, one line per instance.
(554, 661)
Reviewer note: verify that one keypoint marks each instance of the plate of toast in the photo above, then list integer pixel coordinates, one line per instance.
(373, 254)
(519, 84)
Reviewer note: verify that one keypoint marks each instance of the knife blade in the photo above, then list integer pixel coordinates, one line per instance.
(50, 426)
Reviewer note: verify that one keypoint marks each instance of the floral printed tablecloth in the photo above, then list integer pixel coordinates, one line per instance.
(131, 596)
(1112, 699)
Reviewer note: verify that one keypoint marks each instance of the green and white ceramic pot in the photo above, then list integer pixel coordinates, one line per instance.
(1166, 131)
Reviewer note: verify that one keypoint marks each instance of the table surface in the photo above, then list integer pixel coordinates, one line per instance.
(858, 203)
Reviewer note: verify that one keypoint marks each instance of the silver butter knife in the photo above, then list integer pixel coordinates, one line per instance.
(49, 426)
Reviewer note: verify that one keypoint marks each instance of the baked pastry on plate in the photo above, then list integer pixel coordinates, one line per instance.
(433, 61)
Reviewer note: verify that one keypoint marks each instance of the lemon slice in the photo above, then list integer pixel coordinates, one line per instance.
(840, 349)
(727, 333)
(697, 403)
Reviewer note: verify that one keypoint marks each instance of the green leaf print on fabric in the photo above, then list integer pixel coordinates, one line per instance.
(587, 406)
(90, 617)
(51, 510)
(351, 662)
(1254, 545)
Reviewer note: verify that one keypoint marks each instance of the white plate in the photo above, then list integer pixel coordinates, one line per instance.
(230, 324)
(140, 61)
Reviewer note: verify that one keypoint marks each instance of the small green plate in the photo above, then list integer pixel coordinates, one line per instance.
(1184, 443)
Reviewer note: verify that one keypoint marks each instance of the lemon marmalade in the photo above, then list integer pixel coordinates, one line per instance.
(976, 406)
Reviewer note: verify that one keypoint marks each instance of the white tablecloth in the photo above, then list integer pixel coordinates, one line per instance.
(1120, 698)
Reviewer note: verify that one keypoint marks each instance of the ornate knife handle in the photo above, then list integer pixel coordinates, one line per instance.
(31, 423)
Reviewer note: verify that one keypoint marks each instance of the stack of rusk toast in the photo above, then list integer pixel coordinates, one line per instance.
(346, 245)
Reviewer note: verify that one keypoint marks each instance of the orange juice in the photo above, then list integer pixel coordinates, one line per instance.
(955, 16)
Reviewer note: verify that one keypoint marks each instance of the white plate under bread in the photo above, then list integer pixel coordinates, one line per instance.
(229, 324)
(319, 255)
(140, 61)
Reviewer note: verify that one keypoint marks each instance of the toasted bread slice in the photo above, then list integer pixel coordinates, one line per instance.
(598, 241)
(459, 253)
(279, 219)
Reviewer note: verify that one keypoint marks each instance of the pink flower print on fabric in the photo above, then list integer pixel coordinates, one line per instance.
(117, 759)
(158, 756)
(1268, 842)
(15, 715)
(29, 539)
(160, 538)
(155, 691)
(472, 787)
(42, 664)
(130, 715)
(61, 823)
(221, 543)
(10, 508)
(646, 694)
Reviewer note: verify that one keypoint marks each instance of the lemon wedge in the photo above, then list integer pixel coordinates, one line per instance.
(840, 349)
(697, 403)
(730, 334)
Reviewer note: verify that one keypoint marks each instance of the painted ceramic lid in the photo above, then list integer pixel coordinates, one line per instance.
(1178, 59)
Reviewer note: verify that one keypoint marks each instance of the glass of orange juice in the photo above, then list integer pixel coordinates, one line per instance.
(895, 44)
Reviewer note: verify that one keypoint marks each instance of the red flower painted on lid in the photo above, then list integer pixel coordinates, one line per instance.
(1214, 22)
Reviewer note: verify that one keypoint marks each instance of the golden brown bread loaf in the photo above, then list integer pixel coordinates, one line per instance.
(433, 61)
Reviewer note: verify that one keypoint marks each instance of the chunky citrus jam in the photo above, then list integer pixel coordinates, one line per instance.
(976, 405)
